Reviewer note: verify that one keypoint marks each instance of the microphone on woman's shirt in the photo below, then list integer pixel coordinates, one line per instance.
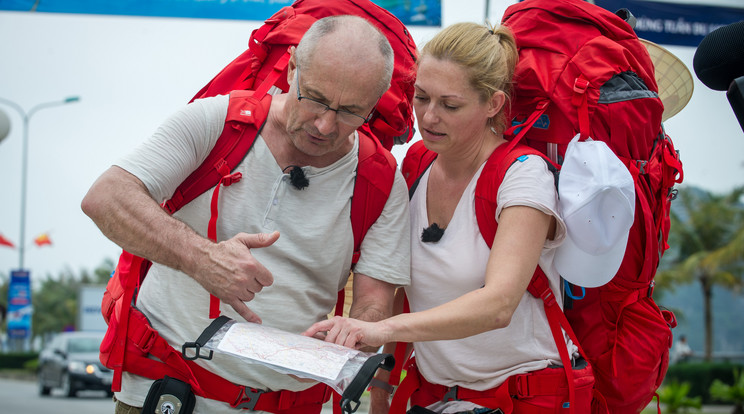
(297, 177)
(432, 234)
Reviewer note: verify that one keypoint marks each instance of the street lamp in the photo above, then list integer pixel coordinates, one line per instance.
(24, 159)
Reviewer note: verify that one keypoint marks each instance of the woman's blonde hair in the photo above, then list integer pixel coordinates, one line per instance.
(488, 54)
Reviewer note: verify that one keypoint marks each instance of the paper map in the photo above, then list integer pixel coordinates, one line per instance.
(286, 350)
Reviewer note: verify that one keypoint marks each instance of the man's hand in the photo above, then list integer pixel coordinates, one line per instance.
(233, 275)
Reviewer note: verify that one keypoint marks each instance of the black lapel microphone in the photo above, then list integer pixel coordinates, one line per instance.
(297, 177)
(432, 234)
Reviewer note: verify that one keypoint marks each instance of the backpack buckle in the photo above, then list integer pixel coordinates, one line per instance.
(451, 394)
(230, 179)
(650, 291)
(248, 398)
(197, 351)
(580, 85)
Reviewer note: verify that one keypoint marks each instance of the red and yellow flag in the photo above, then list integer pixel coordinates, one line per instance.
(6, 242)
(42, 240)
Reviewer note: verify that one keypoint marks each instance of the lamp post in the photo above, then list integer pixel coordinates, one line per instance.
(19, 291)
(26, 116)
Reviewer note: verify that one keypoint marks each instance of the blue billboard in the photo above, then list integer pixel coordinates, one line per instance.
(19, 305)
(410, 12)
(674, 23)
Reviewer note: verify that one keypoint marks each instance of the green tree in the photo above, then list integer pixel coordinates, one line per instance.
(707, 239)
(56, 300)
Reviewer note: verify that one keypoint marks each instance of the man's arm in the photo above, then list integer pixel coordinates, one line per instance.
(121, 206)
(373, 300)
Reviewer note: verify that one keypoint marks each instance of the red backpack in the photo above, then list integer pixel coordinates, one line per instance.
(583, 70)
(130, 339)
(264, 63)
(579, 382)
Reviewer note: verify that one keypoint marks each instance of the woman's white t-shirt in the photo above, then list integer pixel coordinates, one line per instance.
(456, 264)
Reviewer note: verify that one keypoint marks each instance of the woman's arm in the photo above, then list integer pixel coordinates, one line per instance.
(514, 256)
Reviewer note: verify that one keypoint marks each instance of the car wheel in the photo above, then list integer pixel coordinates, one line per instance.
(43, 389)
(67, 388)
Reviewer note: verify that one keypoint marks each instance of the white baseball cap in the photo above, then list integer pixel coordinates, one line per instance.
(597, 202)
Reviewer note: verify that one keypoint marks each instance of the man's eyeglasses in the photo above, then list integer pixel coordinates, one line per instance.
(317, 107)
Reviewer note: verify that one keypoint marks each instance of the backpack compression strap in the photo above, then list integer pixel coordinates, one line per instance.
(374, 181)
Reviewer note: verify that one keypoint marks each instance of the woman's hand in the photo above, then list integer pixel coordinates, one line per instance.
(348, 332)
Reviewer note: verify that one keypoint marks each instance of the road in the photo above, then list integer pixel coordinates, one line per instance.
(22, 396)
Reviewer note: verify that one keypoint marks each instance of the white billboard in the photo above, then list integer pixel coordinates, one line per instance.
(89, 308)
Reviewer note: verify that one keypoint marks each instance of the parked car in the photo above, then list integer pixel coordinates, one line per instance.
(70, 362)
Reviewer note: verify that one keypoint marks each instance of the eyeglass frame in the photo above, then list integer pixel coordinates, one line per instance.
(323, 108)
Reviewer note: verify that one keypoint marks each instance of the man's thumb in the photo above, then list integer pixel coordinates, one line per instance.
(259, 239)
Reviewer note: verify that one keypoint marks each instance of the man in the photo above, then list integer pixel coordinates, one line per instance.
(336, 75)
(681, 350)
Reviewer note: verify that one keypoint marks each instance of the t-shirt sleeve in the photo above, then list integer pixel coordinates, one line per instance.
(530, 183)
(177, 147)
(386, 248)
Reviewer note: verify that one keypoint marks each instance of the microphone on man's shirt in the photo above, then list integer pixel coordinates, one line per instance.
(297, 177)
(719, 64)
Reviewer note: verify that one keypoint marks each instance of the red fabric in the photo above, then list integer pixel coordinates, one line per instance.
(6, 242)
(392, 121)
(568, 50)
(539, 392)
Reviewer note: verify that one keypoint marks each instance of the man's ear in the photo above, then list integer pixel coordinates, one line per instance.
(291, 64)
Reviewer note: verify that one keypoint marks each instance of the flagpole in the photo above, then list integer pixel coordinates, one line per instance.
(26, 116)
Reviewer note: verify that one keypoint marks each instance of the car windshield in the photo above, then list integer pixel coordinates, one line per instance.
(83, 345)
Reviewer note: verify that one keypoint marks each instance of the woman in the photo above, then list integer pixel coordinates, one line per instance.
(473, 324)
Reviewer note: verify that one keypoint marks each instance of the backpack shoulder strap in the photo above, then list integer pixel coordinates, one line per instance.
(486, 191)
(487, 187)
(246, 115)
(417, 160)
(374, 182)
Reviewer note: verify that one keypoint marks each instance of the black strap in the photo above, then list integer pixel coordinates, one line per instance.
(205, 336)
(359, 384)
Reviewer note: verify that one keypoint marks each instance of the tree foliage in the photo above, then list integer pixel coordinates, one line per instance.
(707, 246)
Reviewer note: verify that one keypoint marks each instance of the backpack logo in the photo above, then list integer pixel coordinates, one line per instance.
(543, 122)
(169, 404)
(246, 112)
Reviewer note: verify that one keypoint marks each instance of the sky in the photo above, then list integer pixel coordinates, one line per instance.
(132, 72)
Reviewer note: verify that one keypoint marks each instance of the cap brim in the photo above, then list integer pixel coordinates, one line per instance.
(588, 270)
(672, 77)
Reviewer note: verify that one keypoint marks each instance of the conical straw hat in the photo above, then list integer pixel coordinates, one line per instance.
(673, 78)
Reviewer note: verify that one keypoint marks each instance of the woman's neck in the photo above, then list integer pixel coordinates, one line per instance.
(462, 165)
